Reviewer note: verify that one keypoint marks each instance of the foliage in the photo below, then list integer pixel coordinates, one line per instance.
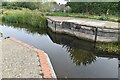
(97, 8)
(113, 47)
(30, 5)
(83, 15)
(33, 18)
(93, 10)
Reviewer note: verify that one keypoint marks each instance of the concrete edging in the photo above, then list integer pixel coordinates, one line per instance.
(45, 63)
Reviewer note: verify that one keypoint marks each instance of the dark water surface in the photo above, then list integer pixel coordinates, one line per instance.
(70, 57)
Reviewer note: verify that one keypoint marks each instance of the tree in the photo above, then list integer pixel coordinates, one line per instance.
(99, 8)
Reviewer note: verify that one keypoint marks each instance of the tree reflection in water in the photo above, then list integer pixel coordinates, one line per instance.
(79, 56)
(81, 51)
(28, 28)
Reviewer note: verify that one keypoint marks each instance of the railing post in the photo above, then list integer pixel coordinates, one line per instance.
(96, 31)
(55, 26)
(70, 25)
(1, 34)
(119, 67)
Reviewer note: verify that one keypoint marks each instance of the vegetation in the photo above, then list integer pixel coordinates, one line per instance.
(83, 15)
(109, 47)
(95, 8)
(30, 5)
(33, 18)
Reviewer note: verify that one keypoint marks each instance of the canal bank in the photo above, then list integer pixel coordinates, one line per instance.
(90, 29)
(20, 60)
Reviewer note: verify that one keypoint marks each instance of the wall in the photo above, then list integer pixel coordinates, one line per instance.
(84, 32)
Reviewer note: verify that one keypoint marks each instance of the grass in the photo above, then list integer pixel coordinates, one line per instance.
(79, 15)
(113, 47)
(25, 16)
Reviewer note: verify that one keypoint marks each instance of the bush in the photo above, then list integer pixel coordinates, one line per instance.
(113, 47)
(118, 20)
(25, 16)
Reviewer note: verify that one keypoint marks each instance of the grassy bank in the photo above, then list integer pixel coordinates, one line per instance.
(79, 15)
(25, 16)
(113, 47)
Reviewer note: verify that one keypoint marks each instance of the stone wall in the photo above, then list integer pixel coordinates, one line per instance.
(86, 32)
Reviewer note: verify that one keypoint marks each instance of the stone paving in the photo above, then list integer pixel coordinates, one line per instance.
(19, 61)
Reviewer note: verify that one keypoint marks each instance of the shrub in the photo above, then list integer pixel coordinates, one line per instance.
(25, 16)
(113, 47)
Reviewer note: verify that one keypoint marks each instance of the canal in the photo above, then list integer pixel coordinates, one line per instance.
(70, 57)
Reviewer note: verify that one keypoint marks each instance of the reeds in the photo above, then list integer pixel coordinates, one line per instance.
(33, 18)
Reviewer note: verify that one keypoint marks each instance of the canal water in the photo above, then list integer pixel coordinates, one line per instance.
(70, 57)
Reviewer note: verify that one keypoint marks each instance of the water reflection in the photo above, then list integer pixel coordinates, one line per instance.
(81, 52)
(82, 57)
(27, 28)
(66, 52)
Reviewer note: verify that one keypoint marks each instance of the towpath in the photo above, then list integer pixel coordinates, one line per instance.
(20, 60)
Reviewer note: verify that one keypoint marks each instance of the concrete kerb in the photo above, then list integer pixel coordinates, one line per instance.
(45, 63)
